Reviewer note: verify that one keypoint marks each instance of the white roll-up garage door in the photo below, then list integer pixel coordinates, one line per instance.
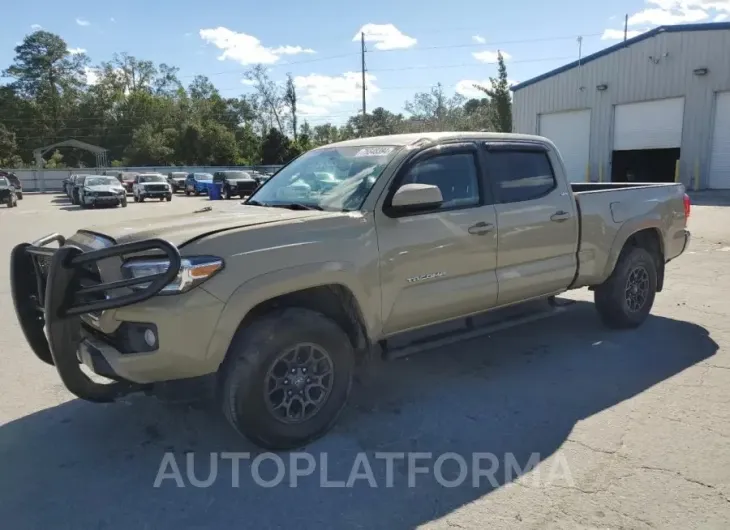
(648, 125)
(571, 134)
(720, 157)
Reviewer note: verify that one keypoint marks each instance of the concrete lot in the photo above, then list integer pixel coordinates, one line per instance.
(642, 418)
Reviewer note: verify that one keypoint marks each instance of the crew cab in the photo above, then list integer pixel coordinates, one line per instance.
(198, 183)
(176, 180)
(274, 303)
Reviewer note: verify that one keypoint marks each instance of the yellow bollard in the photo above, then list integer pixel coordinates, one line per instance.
(676, 171)
(588, 172)
(696, 184)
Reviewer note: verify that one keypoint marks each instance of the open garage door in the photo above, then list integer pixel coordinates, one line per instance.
(646, 140)
(571, 134)
(720, 157)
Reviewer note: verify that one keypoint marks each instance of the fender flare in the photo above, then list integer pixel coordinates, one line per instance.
(261, 288)
(628, 229)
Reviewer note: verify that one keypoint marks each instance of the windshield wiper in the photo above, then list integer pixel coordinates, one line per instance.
(254, 203)
(298, 206)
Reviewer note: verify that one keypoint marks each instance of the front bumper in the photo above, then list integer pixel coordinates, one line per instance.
(110, 200)
(69, 315)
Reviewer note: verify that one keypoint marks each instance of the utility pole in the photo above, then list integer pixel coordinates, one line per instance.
(362, 55)
(626, 27)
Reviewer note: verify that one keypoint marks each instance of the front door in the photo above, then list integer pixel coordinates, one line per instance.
(439, 264)
(538, 222)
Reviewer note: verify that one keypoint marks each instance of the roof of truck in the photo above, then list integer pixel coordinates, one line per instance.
(412, 138)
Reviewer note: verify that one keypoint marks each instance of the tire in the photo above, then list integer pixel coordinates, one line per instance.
(256, 349)
(136, 199)
(197, 193)
(169, 198)
(187, 192)
(141, 198)
(19, 196)
(124, 204)
(612, 299)
(228, 194)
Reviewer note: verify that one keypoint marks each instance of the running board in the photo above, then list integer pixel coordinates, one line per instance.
(419, 341)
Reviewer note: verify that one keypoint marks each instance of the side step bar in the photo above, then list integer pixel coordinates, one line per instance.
(472, 327)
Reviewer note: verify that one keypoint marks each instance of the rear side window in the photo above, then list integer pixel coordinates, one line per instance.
(521, 175)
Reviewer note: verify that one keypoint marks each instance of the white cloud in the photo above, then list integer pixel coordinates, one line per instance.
(112, 20)
(75, 51)
(488, 56)
(385, 37)
(662, 17)
(320, 94)
(246, 49)
(721, 17)
(92, 76)
(83, 22)
(465, 87)
(479, 39)
(248, 82)
(309, 111)
(291, 50)
(36, 27)
(618, 34)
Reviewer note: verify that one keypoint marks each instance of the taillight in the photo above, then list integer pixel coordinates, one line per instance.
(687, 206)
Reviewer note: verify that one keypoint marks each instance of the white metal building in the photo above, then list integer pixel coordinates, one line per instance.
(631, 111)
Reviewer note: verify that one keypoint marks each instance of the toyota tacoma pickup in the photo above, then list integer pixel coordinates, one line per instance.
(273, 303)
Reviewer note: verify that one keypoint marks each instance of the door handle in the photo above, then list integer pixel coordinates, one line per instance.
(481, 228)
(560, 216)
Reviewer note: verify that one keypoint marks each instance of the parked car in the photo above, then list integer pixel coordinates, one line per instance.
(234, 183)
(176, 180)
(15, 181)
(273, 304)
(198, 183)
(66, 185)
(8, 194)
(151, 186)
(100, 190)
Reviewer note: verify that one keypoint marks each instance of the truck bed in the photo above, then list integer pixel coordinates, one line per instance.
(610, 211)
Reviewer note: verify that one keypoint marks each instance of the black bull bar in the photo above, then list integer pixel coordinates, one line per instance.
(52, 287)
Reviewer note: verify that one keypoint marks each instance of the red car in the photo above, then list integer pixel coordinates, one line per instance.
(127, 180)
(15, 181)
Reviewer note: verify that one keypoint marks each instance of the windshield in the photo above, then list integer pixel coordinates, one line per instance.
(101, 181)
(335, 178)
(203, 176)
(151, 178)
(3, 182)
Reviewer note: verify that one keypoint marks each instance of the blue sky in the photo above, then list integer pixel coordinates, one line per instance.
(412, 44)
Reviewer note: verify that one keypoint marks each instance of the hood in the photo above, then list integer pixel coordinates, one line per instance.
(106, 187)
(181, 228)
(242, 179)
(163, 182)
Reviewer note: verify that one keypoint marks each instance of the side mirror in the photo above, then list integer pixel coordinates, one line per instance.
(416, 197)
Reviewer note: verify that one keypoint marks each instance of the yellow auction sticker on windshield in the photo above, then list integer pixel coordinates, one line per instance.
(374, 151)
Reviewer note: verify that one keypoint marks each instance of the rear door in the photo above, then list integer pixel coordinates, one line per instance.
(439, 264)
(537, 221)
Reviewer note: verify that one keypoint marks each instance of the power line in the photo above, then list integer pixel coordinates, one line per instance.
(487, 43)
(462, 65)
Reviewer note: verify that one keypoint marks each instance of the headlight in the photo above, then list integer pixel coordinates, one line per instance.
(193, 271)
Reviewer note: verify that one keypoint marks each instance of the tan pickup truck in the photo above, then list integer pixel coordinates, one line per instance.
(369, 245)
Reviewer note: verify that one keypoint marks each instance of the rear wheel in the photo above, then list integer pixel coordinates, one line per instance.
(169, 198)
(228, 193)
(626, 298)
(187, 192)
(287, 378)
(19, 195)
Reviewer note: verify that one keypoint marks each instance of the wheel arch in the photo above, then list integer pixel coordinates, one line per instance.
(648, 237)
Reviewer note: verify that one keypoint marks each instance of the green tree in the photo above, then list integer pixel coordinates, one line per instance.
(501, 99)
(276, 148)
(55, 161)
(45, 71)
(8, 147)
(290, 100)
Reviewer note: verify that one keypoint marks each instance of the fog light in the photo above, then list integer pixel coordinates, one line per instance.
(150, 338)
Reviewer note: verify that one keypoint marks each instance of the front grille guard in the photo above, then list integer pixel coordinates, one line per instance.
(51, 287)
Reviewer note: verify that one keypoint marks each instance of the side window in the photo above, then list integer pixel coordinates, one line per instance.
(521, 175)
(454, 174)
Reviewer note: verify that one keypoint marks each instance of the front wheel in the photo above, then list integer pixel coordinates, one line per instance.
(228, 193)
(626, 298)
(287, 378)
(124, 204)
(197, 193)
(169, 198)
(19, 196)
